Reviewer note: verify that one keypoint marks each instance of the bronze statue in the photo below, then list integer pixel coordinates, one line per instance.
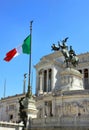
(71, 52)
(55, 48)
(69, 55)
(74, 59)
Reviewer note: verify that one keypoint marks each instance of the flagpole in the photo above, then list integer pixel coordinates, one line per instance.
(29, 92)
(4, 88)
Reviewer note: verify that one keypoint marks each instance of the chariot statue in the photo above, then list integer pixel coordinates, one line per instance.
(69, 55)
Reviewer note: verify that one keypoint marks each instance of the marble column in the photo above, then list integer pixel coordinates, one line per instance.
(52, 80)
(37, 82)
(41, 84)
(47, 80)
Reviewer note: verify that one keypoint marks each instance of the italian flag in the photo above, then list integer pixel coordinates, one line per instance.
(24, 48)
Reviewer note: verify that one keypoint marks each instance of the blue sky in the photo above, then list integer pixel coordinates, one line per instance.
(53, 21)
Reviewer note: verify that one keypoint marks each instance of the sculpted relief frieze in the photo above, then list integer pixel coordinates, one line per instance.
(72, 108)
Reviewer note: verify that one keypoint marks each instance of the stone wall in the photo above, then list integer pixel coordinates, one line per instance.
(61, 128)
(63, 123)
(10, 126)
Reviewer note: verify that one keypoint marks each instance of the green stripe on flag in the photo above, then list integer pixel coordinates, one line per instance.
(26, 46)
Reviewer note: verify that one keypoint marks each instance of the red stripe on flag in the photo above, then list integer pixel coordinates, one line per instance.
(10, 55)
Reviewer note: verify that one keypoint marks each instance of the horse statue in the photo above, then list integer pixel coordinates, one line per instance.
(55, 48)
(75, 61)
(64, 48)
(69, 55)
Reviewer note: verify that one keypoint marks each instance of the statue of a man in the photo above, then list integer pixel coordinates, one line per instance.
(71, 52)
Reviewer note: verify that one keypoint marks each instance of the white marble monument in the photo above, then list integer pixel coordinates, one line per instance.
(71, 79)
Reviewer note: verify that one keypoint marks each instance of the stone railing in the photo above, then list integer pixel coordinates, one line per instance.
(60, 121)
(10, 126)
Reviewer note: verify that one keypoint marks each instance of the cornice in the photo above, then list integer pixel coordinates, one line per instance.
(83, 64)
(58, 63)
(9, 98)
(48, 58)
(51, 59)
(44, 96)
(72, 93)
(58, 94)
(83, 54)
(53, 55)
(43, 64)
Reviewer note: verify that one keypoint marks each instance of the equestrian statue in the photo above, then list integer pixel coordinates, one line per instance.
(69, 55)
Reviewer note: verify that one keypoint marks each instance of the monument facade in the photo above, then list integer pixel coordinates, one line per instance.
(62, 92)
(62, 88)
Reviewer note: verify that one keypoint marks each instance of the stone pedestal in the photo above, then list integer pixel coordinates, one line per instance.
(30, 109)
(71, 79)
